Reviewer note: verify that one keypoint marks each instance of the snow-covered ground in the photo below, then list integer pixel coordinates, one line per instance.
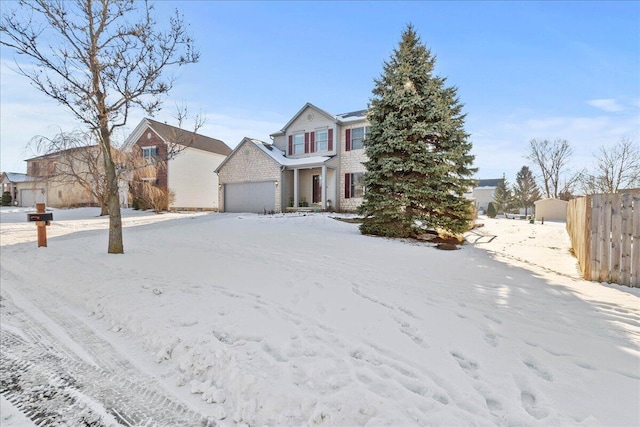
(300, 320)
(11, 416)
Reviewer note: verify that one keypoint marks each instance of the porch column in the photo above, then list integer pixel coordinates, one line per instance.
(323, 187)
(295, 188)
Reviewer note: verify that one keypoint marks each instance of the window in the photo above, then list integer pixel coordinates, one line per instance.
(149, 153)
(298, 143)
(322, 140)
(353, 185)
(42, 168)
(355, 138)
(34, 169)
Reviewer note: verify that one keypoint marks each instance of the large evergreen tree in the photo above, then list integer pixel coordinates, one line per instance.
(419, 166)
(526, 190)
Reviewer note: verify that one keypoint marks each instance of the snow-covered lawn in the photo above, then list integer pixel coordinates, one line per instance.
(300, 320)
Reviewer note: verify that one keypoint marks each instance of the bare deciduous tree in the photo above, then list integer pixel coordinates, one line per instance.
(178, 138)
(142, 172)
(99, 59)
(617, 167)
(78, 160)
(552, 159)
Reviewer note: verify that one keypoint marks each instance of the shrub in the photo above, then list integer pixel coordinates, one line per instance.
(6, 199)
(491, 210)
(148, 196)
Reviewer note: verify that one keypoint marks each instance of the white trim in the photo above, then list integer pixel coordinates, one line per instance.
(307, 105)
(293, 143)
(295, 187)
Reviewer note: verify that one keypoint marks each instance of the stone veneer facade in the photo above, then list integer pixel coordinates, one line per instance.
(250, 164)
(350, 162)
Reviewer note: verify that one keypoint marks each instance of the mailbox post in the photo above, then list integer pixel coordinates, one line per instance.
(41, 218)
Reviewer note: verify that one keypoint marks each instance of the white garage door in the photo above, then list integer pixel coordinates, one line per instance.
(29, 196)
(255, 197)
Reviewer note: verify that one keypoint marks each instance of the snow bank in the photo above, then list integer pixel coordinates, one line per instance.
(300, 320)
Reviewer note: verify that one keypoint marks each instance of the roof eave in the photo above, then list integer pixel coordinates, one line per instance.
(308, 105)
(245, 140)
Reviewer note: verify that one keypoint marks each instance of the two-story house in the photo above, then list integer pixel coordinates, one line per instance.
(483, 193)
(179, 161)
(58, 179)
(21, 187)
(314, 161)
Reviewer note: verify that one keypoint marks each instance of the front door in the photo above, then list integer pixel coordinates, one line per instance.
(317, 189)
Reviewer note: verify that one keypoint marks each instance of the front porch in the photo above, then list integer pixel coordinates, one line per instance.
(310, 189)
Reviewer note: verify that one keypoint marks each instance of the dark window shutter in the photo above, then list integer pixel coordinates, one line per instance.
(347, 138)
(306, 142)
(347, 185)
(330, 137)
(290, 144)
(313, 142)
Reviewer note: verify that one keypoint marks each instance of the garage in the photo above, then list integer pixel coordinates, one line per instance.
(255, 197)
(30, 196)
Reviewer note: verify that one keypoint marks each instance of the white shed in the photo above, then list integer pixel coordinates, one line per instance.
(551, 209)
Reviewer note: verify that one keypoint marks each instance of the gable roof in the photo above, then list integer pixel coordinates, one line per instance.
(307, 105)
(276, 155)
(169, 134)
(15, 177)
(244, 141)
(61, 152)
(352, 116)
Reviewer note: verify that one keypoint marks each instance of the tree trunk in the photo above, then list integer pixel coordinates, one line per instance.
(113, 206)
(115, 226)
(113, 198)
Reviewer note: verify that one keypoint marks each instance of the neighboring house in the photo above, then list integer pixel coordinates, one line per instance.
(483, 193)
(551, 210)
(190, 173)
(48, 181)
(314, 161)
(22, 187)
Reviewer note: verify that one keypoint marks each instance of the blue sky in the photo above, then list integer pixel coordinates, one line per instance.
(523, 70)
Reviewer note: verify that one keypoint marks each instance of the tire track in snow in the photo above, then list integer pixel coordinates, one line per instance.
(47, 383)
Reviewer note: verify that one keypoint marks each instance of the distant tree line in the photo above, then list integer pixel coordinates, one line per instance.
(615, 168)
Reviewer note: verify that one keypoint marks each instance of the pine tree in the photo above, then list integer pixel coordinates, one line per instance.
(502, 198)
(491, 210)
(526, 189)
(419, 166)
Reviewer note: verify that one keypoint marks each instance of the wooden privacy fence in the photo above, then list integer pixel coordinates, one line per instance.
(605, 236)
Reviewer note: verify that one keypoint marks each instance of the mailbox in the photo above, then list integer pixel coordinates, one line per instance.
(42, 218)
(31, 217)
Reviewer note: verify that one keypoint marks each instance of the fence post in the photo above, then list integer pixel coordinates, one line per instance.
(635, 254)
(616, 237)
(626, 229)
(586, 256)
